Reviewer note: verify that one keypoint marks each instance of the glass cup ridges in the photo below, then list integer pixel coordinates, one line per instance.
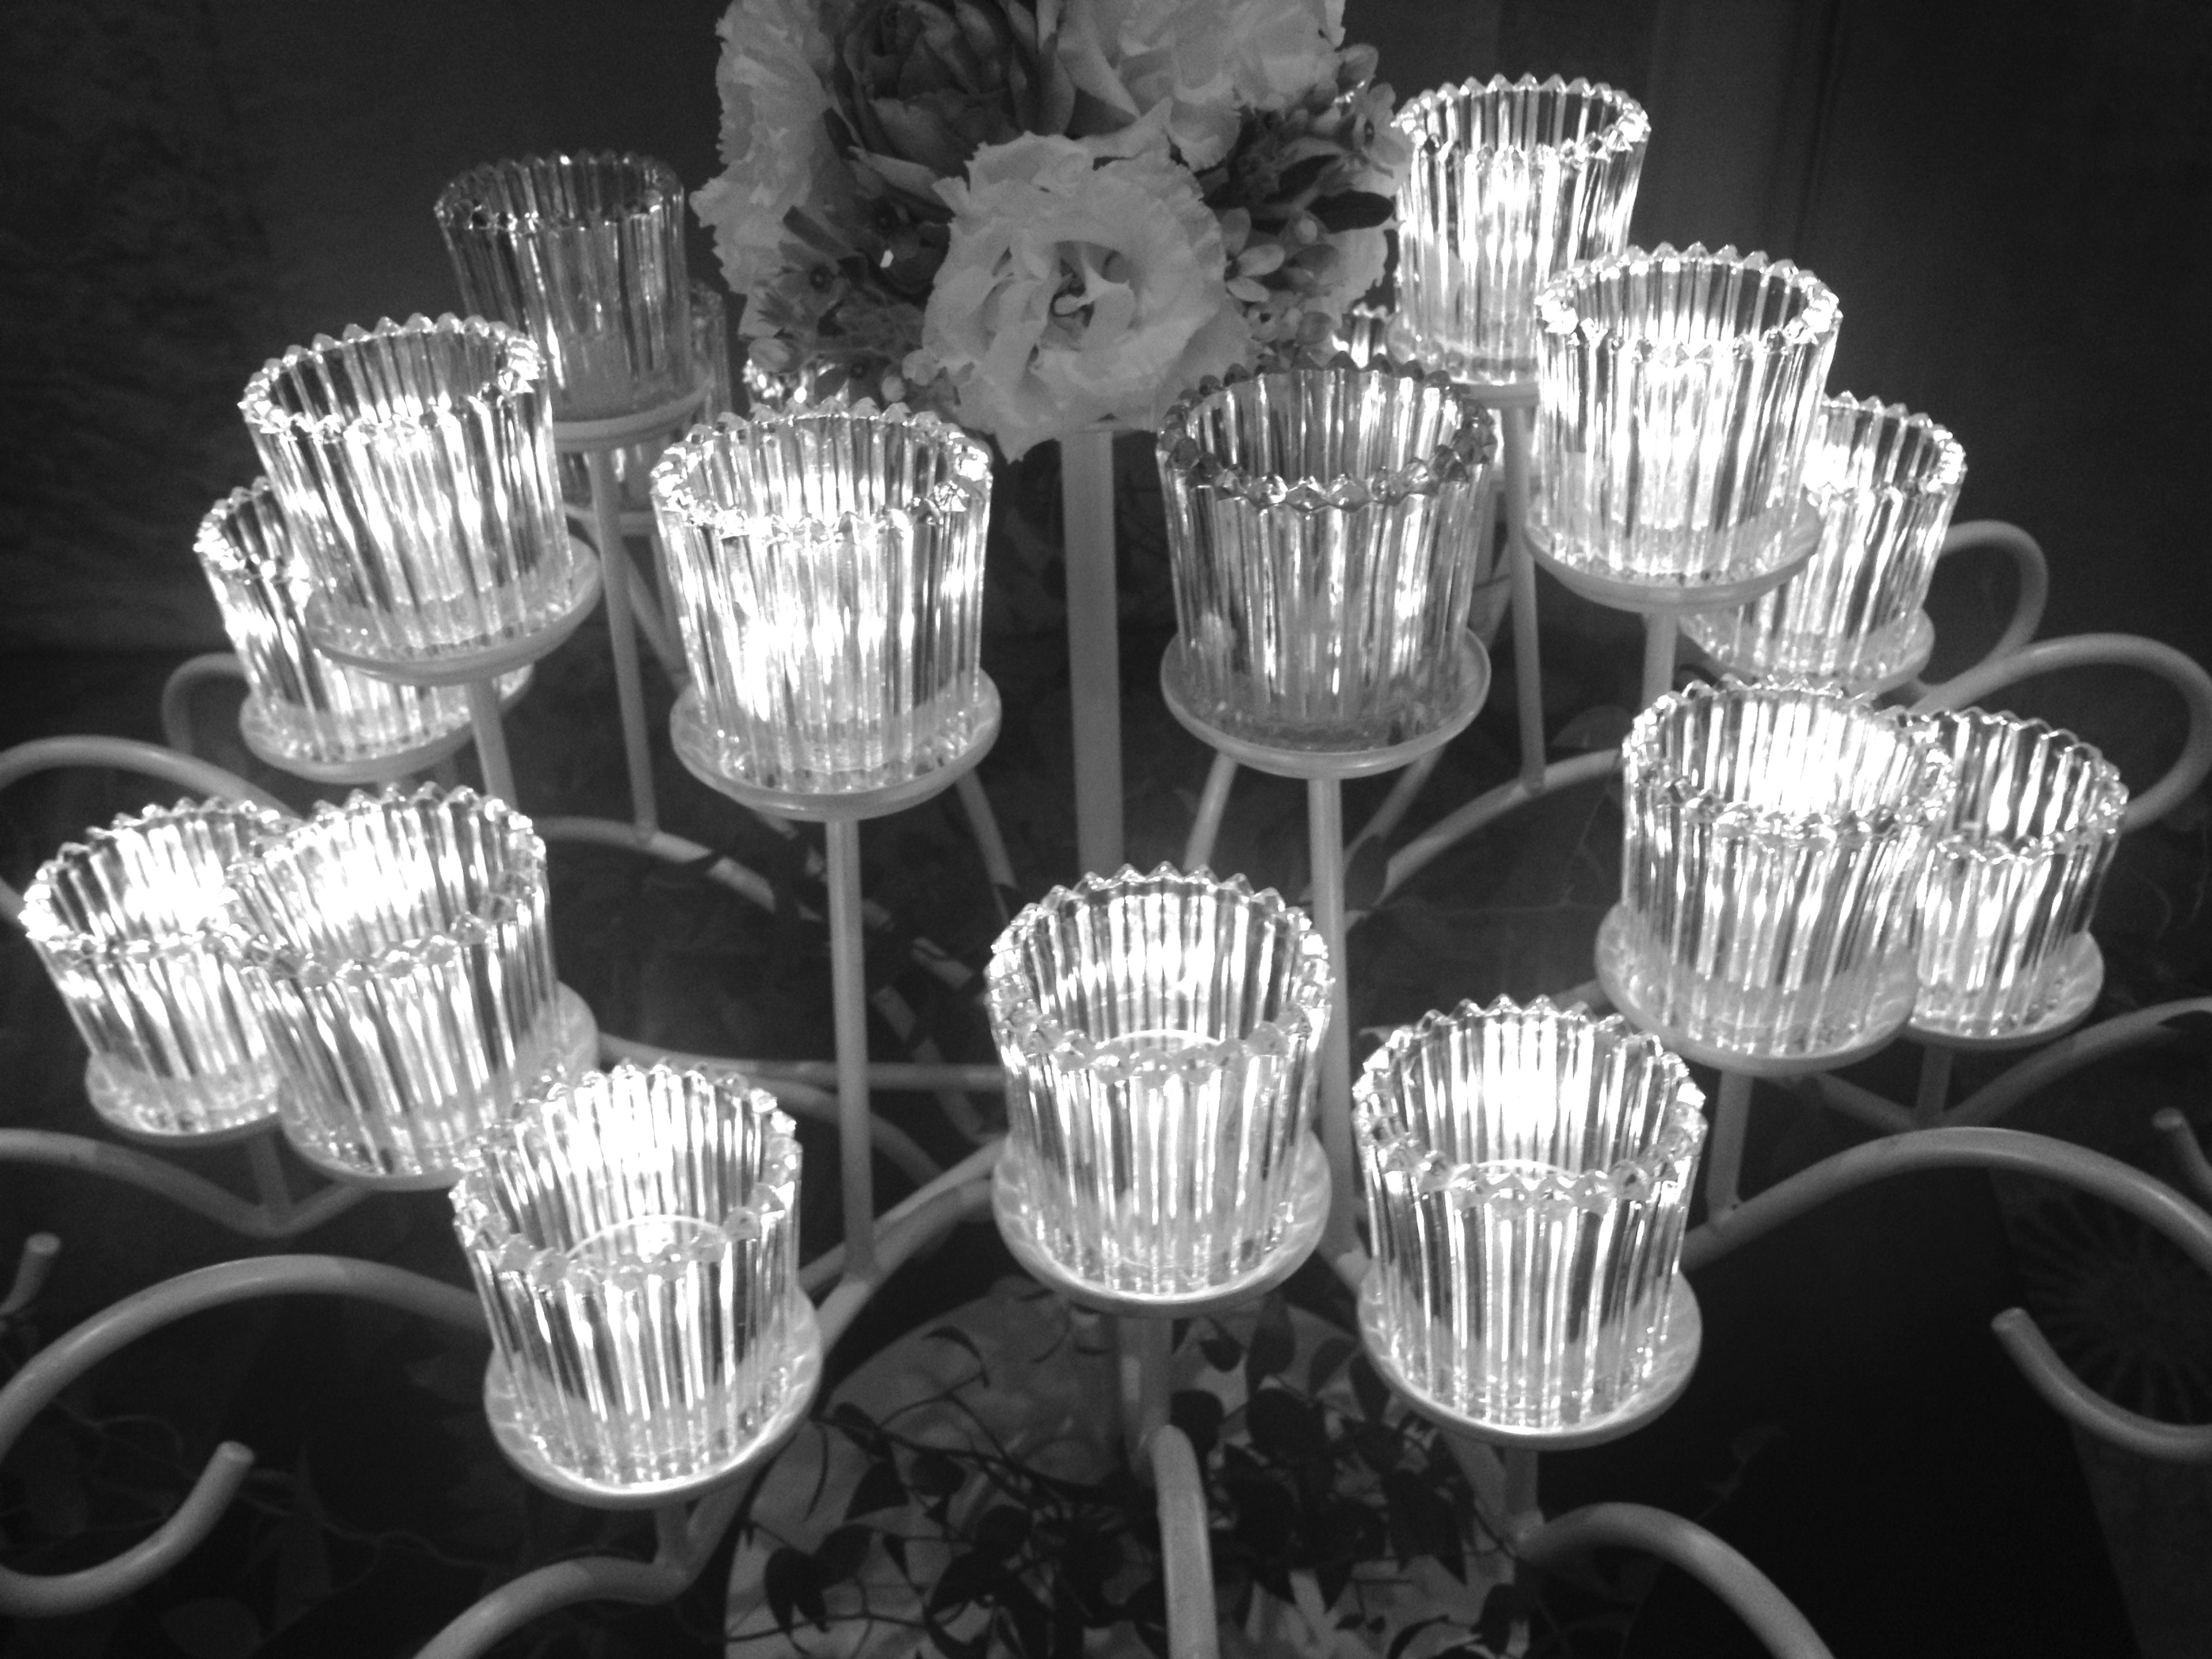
(826, 564)
(1677, 395)
(634, 1237)
(2012, 877)
(398, 948)
(1511, 181)
(1160, 1035)
(1527, 1174)
(416, 464)
(584, 253)
(121, 921)
(1773, 837)
(1886, 482)
(1324, 528)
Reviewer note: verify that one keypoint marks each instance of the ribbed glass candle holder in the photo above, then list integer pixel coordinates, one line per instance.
(121, 921)
(634, 1235)
(1528, 1173)
(1677, 394)
(827, 564)
(585, 254)
(1160, 1034)
(1772, 842)
(1511, 182)
(1886, 482)
(414, 461)
(397, 947)
(1325, 524)
(2014, 875)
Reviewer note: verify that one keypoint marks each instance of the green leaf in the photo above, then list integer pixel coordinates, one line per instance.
(1025, 1618)
(960, 1339)
(1002, 1531)
(1352, 209)
(1365, 876)
(1404, 1638)
(1422, 1524)
(838, 1557)
(1198, 1414)
(971, 1577)
(1506, 1603)
(933, 1474)
(1328, 1356)
(1221, 1351)
(793, 1588)
(1368, 1388)
(1274, 1344)
(879, 1488)
(1283, 1427)
(855, 1422)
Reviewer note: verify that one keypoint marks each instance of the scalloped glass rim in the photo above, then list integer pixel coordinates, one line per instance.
(1558, 304)
(465, 203)
(2110, 805)
(1040, 1035)
(1405, 1151)
(517, 366)
(1947, 474)
(1628, 126)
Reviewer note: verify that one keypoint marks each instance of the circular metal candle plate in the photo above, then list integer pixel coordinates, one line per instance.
(2082, 976)
(100, 1088)
(1901, 669)
(1286, 762)
(1795, 546)
(259, 732)
(1308, 1212)
(578, 1044)
(621, 431)
(697, 747)
(802, 1377)
(1743, 1062)
(460, 667)
(1671, 1370)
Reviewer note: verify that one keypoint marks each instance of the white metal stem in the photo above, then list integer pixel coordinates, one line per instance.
(1658, 657)
(1725, 1150)
(621, 635)
(1140, 1350)
(1517, 425)
(849, 1000)
(491, 740)
(1094, 646)
(1935, 1086)
(1325, 844)
(1212, 806)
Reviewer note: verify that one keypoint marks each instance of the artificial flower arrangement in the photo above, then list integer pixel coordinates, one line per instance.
(1041, 217)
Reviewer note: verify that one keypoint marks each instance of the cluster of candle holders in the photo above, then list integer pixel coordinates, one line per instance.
(1806, 875)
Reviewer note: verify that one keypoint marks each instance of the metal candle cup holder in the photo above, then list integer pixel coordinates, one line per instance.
(121, 921)
(1511, 181)
(1886, 482)
(397, 947)
(826, 565)
(415, 462)
(2012, 879)
(584, 253)
(634, 1235)
(1677, 394)
(1527, 1173)
(1771, 846)
(1325, 524)
(1160, 1035)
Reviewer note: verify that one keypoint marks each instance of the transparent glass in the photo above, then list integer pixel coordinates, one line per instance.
(120, 919)
(585, 254)
(1325, 526)
(1677, 395)
(1160, 1034)
(415, 462)
(1511, 182)
(1886, 482)
(1527, 1173)
(1771, 846)
(2013, 879)
(397, 947)
(634, 1235)
(827, 564)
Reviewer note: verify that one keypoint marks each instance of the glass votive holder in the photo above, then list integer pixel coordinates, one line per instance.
(1677, 395)
(827, 568)
(2012, 877)
(1511, 182)
(414, 461)
(634, 1235)
(1327, 527)
(1772, 837)
(585, 254)
(1528, 1173)
(397, 947)
(1885, 482)
(121, 920)
(1160, 1035)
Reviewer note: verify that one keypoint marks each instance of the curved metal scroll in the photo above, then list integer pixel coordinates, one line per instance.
(177, 693)
(198, 1194)
(2016, 1153)
(2029, 565)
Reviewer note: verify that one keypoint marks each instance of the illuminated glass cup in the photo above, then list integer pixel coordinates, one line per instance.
(1326, 526)
(634, 1235)
(1511, 182)
(827, 568)
(1528, 1173)
(1160, 1035)
(1772, 841)
(585, 254)
(415, 462)
(121, 921)
(398, 950)
(1677, 395)
(2012, 880)
(1886, 482)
